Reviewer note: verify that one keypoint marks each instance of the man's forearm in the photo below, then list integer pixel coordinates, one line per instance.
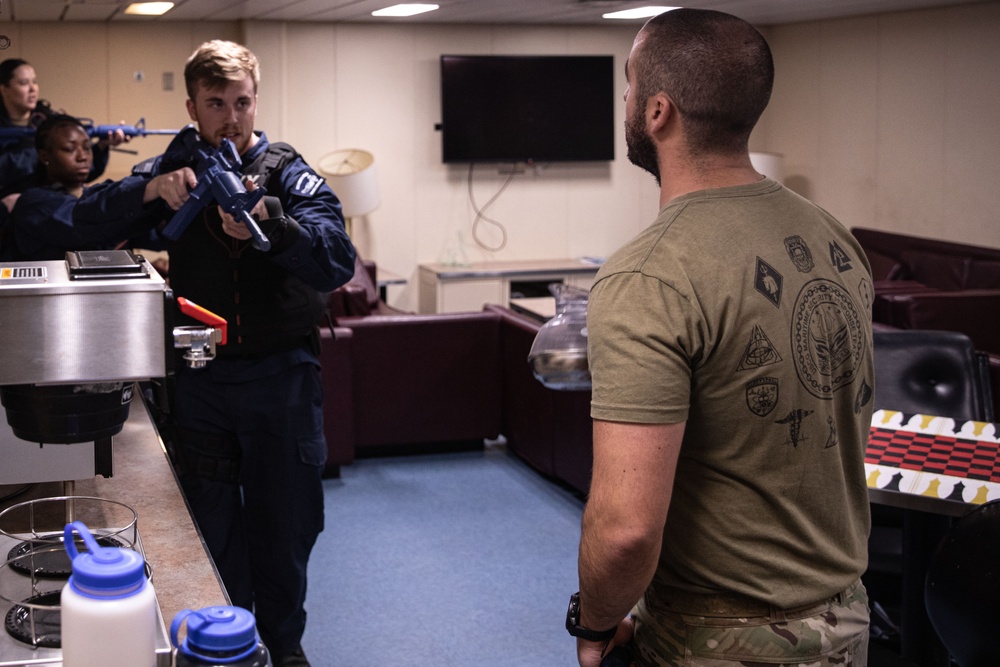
(615, 570)
(634, 467)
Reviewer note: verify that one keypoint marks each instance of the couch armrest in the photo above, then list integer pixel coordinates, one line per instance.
(338, 397)
(355, 301)
(550, 429)
(527, 414)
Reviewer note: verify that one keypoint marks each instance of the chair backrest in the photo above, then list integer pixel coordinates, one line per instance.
(963, 586)
(931, 372)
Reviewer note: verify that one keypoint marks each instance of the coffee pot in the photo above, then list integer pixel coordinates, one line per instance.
(558, 355)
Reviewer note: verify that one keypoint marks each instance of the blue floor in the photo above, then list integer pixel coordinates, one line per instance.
(444, 560)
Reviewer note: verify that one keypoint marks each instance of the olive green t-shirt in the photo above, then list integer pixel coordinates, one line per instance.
(746, 312)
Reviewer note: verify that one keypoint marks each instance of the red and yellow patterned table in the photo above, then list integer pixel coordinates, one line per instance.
(933, 464)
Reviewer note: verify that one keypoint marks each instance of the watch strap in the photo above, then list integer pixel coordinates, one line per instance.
(574, 628)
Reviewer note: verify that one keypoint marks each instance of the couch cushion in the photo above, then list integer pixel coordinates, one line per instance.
(940, 271)
(966, 311)
(425, 378)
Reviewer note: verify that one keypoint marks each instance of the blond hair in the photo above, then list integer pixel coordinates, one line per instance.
(216, 63)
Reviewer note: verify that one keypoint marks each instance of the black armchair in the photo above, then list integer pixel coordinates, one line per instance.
(917, 372)
(932, 372)
(963, 583)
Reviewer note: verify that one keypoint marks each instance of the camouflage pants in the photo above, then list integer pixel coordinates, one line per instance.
(829, 634)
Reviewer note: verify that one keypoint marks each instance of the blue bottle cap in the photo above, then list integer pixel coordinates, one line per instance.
(224, 633)
(102, 572)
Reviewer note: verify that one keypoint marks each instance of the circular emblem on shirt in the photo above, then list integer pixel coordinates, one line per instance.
(827, 338)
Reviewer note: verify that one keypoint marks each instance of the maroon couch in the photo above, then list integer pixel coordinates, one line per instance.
(360, 295)
(401, 382)
(922, 283)
(395, 381)
(338, 398)
(422, 379)
(549, 429)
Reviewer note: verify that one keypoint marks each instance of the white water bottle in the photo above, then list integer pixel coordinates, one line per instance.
(108, 607)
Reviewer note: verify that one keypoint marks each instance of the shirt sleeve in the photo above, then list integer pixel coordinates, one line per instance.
(316, 248)
(642, 339)
(101, 156)
(17, 165)
(47, 222)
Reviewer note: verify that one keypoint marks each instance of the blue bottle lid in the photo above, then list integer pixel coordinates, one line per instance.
(223, 634)
(102, 572)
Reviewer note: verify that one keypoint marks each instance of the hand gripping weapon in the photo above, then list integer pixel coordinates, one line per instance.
(219, 180)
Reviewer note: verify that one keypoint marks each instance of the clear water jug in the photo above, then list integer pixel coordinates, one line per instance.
(220, 636)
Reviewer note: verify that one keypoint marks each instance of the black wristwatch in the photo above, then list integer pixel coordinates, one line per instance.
(574, 628)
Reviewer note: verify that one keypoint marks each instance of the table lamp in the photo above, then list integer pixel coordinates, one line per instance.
(350, 172)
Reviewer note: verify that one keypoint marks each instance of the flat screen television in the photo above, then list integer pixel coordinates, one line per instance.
(527, 108)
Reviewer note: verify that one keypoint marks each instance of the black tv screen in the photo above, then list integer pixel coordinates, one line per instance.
(527, 108)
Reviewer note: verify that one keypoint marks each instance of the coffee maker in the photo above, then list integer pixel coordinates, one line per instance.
(75, 336)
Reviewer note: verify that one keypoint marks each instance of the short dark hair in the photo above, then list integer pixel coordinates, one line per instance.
(717, 70)
(43, 135)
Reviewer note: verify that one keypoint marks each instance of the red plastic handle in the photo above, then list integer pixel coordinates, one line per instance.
(191, 309)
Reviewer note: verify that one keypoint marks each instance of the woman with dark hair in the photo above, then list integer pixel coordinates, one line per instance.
(22, 107)
(60, 213)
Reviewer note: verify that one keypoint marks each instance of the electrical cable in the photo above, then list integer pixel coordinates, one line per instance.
(481, 215)
(17, 492)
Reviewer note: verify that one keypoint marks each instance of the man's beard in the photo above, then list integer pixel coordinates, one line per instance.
(641, 150)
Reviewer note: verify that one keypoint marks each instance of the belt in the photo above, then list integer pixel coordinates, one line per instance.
(739, 605)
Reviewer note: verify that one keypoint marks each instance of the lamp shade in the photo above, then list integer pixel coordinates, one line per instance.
(769, 164)
(351, 174)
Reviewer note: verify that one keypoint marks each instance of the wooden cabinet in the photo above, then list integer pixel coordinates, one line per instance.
(446, 288)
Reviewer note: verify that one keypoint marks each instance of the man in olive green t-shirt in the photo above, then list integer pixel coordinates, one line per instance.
(730, 350)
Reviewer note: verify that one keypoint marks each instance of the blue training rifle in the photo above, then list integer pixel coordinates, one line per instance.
(12, 134)
(219, 180)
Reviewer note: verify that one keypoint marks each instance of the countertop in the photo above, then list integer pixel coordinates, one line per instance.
(184, 575)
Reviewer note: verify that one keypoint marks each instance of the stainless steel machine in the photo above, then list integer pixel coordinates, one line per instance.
(75, 337)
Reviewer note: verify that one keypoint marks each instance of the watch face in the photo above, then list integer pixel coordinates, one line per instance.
(573, 613)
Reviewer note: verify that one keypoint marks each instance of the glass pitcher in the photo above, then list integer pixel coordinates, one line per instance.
(558, 355)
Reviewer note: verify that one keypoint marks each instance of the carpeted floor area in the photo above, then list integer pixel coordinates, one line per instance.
(445, 560)
(463, 559)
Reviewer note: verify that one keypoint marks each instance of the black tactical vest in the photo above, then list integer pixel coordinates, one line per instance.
(267, 309)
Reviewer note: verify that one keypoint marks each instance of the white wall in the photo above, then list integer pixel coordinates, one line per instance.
(377, 87)
(89, 70)
(891, 121)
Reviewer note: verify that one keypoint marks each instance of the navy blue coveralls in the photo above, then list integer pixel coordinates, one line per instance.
(47, 221)
(19, 159)
(248, 438)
